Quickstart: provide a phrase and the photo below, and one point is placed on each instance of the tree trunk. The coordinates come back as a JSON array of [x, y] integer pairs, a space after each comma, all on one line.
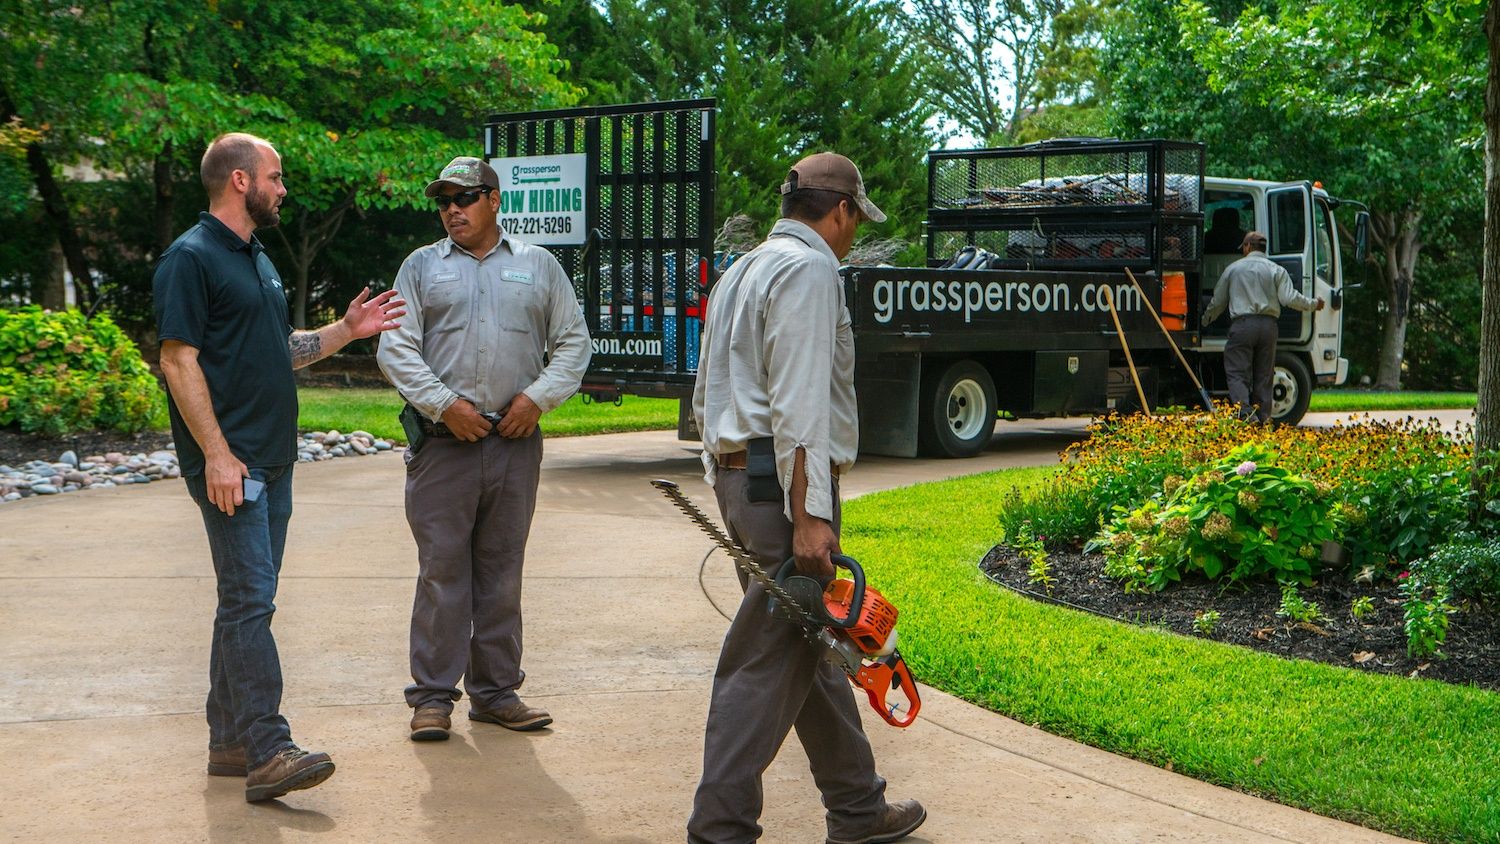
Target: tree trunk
[[166, 197], [56, 207], [1487, 415], [1398, 237]]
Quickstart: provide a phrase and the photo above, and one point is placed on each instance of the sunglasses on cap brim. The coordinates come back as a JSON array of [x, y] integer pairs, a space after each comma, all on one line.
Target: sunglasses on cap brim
[[462, 200]]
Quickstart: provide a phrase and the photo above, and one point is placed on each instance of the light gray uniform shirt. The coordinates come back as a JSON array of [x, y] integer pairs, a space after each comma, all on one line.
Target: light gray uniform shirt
[[778, 361], [1255, 285], [478, 327]]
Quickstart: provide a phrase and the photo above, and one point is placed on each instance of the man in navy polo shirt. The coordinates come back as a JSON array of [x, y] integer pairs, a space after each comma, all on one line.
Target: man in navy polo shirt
[[228, 353]]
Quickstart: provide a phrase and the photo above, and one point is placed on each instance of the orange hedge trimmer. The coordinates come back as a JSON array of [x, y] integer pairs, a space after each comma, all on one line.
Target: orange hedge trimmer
[[852, 622]]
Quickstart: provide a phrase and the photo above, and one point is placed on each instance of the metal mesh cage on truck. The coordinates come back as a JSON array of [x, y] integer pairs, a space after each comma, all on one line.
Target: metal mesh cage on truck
[[1069, 205], [623, 197]]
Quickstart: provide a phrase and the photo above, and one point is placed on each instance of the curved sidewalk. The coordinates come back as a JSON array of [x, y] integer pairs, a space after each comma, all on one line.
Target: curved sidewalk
[[106, 601]]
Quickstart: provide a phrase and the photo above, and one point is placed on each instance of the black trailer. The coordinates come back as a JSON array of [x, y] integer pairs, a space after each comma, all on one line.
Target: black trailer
[[624, 197]]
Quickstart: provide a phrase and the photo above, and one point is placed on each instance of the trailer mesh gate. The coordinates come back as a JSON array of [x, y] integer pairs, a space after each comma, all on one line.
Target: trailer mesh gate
[[644, 261]]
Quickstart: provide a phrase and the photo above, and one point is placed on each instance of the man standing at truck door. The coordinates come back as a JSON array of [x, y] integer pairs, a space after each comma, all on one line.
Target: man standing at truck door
[[1255, 289], [775, 389], [495, 339]]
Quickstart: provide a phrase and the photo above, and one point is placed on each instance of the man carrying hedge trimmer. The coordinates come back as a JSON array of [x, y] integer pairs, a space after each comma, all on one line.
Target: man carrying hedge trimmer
[[775, 403]]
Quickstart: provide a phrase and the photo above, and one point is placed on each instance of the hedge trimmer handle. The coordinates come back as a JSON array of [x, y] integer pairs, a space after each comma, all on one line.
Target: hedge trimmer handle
[[881, 674]]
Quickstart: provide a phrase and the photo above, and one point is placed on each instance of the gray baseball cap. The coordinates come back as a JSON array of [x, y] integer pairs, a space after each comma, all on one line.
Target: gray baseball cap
[[831, 171], [465, 171]]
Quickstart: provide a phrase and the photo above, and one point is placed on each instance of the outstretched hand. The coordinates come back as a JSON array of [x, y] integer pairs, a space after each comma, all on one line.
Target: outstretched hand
[[369, 316]]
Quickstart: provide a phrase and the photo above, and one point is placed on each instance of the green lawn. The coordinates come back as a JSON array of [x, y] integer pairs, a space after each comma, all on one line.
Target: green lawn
[[1413, 757], [375, 410], [1350, 401]]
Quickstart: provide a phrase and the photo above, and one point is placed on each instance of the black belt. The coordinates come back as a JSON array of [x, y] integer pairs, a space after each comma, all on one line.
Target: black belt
[[740, 459], [438, 429]]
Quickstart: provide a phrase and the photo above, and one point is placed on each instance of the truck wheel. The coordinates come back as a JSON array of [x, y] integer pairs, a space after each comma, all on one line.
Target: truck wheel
[[957, 416], [1291, 389]]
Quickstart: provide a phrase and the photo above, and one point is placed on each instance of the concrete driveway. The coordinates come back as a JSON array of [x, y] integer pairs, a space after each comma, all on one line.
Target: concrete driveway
[[107, 603]]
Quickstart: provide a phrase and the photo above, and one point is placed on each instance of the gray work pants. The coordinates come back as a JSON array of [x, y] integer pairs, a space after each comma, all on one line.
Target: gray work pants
[[469, 506], [1250, 362], [770, 680]]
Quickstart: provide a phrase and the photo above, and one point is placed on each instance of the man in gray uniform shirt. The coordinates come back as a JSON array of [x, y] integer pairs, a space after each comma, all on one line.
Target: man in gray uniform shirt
[[1255, 289], [469, 360], [777, 369]]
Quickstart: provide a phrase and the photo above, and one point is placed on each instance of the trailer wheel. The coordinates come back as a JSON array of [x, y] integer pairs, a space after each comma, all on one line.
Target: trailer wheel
[[958, 410], [1291, 389]]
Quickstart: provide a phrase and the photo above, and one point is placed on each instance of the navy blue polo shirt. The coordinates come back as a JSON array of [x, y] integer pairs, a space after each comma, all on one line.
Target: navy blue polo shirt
[[220, 295]]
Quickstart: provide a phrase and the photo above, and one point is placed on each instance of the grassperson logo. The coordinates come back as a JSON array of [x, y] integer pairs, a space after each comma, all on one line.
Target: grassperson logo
[[972, 298]]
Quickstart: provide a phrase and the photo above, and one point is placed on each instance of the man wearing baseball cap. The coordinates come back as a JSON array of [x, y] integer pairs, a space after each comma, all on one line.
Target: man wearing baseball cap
[[494, 339], [774, 401]]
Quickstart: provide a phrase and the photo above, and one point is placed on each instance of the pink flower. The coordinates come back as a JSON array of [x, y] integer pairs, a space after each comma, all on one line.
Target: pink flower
[[1403, 575], [1245, 468]]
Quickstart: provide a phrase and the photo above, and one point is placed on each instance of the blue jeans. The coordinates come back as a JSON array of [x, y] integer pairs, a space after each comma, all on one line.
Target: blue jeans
[[244, 695]]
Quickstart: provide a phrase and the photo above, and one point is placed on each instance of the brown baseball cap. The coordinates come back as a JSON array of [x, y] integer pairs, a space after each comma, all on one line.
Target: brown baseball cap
[[465, 171], [831, 171]]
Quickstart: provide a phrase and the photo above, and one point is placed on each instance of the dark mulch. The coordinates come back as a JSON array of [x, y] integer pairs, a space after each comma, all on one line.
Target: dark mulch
[[17, 449], [1248, 617]]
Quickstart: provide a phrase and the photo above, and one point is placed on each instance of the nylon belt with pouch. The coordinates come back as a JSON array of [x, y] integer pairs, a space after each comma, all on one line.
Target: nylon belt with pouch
[[760, 468], [411, 425]]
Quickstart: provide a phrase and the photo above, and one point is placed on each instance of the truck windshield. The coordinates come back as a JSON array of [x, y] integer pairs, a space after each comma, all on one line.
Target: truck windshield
[[1229, 214]]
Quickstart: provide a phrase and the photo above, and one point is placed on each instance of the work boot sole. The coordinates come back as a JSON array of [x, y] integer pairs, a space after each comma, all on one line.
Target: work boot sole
[[519, 726], [885, 837], [306, 778], [429, 734], [219, 769]]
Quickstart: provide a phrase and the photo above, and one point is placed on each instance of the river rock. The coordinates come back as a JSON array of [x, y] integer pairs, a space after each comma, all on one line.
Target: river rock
[[44, 489], [382, 445], [70, 458], [331, 438], [11, 496], [162, 457], [114, 457], [76, 477], [359, 446]]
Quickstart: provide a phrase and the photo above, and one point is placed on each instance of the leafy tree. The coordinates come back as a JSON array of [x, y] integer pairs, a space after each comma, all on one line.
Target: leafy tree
[[992, 62], [1387, 85], [791, 78], [364, 100]]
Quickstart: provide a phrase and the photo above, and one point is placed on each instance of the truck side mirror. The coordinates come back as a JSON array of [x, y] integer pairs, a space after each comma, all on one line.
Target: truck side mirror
[[1361, 236]]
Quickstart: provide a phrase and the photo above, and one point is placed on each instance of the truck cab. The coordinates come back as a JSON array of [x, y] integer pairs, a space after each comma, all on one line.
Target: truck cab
[[1302, 235]]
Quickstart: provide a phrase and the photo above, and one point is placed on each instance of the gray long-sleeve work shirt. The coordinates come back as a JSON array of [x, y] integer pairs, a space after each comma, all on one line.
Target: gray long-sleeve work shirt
[[478, 327], [1255, 285], [778, 361]]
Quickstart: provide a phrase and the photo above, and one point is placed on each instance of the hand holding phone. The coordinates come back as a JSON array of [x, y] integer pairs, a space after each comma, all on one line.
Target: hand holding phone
[[253, 489]]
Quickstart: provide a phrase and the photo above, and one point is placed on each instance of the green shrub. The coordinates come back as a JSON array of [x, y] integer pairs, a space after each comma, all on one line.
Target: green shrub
[[1469, 565], [1425, 610], [1400, 487], [1244, 517], [60, 373]]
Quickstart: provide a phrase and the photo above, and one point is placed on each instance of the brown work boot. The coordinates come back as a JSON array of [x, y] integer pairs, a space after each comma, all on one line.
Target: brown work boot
[[290, 769], [229, 762], [430, 723], [896, 822], [515, 715]]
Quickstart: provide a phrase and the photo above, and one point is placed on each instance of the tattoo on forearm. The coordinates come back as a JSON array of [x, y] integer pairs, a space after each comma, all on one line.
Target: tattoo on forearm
[[306, 347]]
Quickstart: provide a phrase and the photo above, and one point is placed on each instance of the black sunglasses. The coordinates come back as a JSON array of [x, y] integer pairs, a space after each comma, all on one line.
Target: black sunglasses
[[462, 200]]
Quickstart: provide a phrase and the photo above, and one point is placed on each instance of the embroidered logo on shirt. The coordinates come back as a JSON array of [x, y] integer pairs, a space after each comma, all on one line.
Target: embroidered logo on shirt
[[518, 276], [439, 278]]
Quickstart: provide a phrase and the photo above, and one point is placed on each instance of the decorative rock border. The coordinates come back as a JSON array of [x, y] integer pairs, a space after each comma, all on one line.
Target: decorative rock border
[[70, 473]]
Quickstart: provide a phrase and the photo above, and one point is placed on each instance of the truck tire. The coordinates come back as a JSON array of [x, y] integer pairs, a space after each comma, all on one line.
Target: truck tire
[[1291, 389], [957, 414]]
